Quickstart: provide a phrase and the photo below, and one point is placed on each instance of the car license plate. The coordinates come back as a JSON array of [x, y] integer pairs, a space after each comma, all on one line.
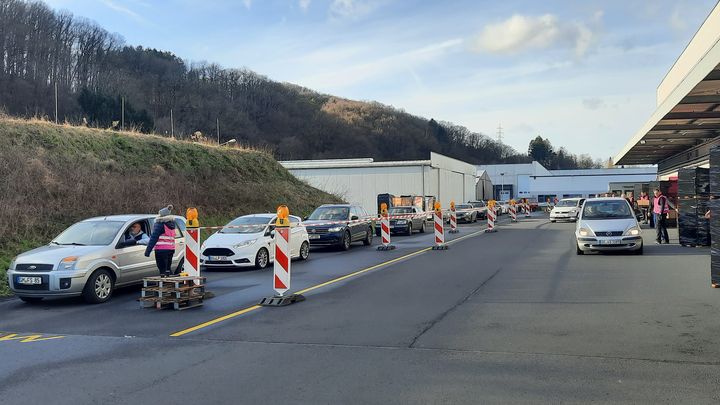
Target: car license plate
[[314, 236], [29, 280], [218, 258], [610, 241]]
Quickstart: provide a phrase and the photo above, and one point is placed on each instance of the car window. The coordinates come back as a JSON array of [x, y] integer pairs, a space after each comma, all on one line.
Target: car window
[[330, 214], [180, 223], [607, 209], [95, 233], [294, 220], [178, 229], [354, 211]]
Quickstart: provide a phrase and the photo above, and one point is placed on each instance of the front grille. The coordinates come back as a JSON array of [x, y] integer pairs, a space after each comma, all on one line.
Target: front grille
[[218, 252], [609, 233], [317, 231], [33, 267]]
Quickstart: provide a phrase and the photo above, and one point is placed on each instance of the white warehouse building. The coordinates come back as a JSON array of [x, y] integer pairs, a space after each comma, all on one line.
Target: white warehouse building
[[533, 181], [359, 181]]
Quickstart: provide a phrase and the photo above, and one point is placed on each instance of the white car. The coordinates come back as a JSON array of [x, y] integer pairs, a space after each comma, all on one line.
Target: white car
[[504, 207], [607, 224], [566, 209], [250, 241]]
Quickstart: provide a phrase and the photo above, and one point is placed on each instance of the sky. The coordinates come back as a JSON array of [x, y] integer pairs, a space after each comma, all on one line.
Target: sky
[[581, 73]]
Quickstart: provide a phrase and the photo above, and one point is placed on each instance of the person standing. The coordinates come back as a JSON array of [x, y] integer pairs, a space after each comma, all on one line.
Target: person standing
[[644, 204], [661, 208], [162, 240]]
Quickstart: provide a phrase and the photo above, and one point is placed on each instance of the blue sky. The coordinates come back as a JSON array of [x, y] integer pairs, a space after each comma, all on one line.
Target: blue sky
[[582, 73]]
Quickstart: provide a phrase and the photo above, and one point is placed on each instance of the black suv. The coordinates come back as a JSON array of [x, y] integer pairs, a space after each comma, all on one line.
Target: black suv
[[339, 225]]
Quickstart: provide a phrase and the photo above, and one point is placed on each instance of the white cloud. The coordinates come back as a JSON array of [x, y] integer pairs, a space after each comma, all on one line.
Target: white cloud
[[247, 3], [520, 33], [304, 4], [351, 9], [593, 103], [122, 9]]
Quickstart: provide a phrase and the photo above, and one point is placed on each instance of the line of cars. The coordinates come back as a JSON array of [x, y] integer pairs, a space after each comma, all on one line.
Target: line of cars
[[602, 224]]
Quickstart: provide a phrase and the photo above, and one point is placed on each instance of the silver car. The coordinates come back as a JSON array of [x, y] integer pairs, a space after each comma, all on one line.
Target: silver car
[[607, 224], [91, 258]]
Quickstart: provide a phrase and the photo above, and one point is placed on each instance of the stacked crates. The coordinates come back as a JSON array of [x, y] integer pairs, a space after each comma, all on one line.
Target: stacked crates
[[693, 195], [714, 204]]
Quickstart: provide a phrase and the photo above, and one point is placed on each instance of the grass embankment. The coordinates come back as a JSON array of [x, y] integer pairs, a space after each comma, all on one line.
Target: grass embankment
[[54, 175]]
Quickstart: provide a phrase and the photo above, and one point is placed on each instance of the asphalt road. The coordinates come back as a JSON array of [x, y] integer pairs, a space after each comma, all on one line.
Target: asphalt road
[[509, 317]]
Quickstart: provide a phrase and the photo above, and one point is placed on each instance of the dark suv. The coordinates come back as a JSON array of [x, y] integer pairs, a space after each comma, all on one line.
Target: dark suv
[[339, 225]]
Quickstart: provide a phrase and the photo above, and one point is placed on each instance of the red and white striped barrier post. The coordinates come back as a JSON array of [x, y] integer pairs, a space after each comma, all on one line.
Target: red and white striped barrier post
[[439, 229], [526, 205], [513, 211], [491, 217], [281, 265], [385, 229], [191, 263], [453, 218]]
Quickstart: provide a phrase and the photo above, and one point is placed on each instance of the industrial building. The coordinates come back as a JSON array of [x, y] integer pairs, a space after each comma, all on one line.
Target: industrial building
[[360, 181], [533, 181]]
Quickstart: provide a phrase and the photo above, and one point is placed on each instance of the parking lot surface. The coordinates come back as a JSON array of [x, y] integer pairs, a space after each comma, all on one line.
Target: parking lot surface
[[513, 316]]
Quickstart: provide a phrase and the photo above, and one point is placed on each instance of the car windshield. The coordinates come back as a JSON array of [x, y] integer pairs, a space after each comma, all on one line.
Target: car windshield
[[246, 225], [463, 207], [91, 233], [330, 214], [401, 210], [606, 209], [567, 203]]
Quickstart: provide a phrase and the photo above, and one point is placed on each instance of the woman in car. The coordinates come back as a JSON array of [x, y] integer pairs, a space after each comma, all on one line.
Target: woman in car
[[162, 240]]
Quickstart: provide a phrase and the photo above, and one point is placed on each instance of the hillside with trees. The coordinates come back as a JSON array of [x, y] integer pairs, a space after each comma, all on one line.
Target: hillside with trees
[[44, 53]]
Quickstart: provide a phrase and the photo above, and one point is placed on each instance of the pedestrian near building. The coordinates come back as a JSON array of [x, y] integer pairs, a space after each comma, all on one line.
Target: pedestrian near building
[[644, 204], [661, 208], [162, 240]]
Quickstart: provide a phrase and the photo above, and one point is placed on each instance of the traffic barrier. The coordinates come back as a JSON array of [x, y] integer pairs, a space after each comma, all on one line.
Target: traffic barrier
[[439, 229], [513, 211], [453, 218], [191, 264], [491, 216], [526, 206], [281, 266], [385, 229]]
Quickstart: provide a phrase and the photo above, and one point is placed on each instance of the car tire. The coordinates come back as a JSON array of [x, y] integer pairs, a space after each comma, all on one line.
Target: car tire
[[304, 251], [99, 287], [409, 231], [578, 251], [262, 259], [369, 237], [31, 300], [422, 227], [346, 241]]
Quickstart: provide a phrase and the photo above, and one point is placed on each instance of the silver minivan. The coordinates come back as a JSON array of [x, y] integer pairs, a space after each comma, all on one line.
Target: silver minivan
[[90, 258], [607, 224]]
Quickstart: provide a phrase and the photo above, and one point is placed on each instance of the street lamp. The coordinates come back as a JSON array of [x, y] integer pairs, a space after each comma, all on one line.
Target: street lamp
[[232, 141], [502, 185]]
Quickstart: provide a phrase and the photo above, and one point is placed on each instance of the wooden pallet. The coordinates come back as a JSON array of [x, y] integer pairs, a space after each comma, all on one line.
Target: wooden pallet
[[178, 293]]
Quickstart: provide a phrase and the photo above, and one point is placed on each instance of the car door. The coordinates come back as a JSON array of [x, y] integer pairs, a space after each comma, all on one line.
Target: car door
[[417, 219], [296, 239], [131, 260], [354, 226]]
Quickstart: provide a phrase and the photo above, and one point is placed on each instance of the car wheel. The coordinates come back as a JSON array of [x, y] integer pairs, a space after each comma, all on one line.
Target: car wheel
[[409, 229], [346, 241], [304, 251], [262, 258], [578, 250], [99, 287], [369, 237], [422, 227], [31, 300]]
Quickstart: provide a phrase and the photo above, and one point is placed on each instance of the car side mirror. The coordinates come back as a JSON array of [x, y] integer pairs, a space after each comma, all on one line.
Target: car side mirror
[[272, 233], [354, 218], [305, 218]]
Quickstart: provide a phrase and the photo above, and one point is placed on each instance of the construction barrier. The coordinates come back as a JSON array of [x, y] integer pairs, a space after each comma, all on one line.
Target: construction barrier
[[385, 228], [439, 229], [453, 218], [526, 206], [491, 216], [281, 267], [191, 265], [513, 211]]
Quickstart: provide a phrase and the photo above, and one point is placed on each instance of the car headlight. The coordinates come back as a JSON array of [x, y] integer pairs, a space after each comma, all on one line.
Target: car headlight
[[402, 221], [634, 231], [68, 263], [12, 263], [245, 243], [335, 229], [586, 232]]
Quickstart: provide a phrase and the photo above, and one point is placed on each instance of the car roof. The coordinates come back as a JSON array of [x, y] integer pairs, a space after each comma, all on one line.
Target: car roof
[[403, 206], [337, 205], [606, 199], [124, 217], [572, 199]]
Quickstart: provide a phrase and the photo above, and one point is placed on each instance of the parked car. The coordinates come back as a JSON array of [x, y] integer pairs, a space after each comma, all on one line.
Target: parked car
[[466, 213], [406, 225], [339, 225], [504, 207], [566, 209], [480, 208], [90, 259], [250, 241], [607, 224]]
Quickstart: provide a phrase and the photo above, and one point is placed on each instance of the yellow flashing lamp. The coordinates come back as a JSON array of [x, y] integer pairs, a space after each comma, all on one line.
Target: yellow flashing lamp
[[191, 214], [452, 205], [383, 209], [491, 203], [512, 202], [437, 206], [282, 216]]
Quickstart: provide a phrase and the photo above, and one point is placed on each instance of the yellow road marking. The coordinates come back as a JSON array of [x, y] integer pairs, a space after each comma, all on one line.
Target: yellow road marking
[[315, 287], [26, 338]]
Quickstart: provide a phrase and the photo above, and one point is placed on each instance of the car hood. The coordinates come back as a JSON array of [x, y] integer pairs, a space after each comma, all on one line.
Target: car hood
[[607, 225], [229, 239], [52, 254]]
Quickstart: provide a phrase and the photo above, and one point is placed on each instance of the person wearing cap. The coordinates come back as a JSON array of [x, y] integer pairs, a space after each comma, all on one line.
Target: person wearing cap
[[162, 240]]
